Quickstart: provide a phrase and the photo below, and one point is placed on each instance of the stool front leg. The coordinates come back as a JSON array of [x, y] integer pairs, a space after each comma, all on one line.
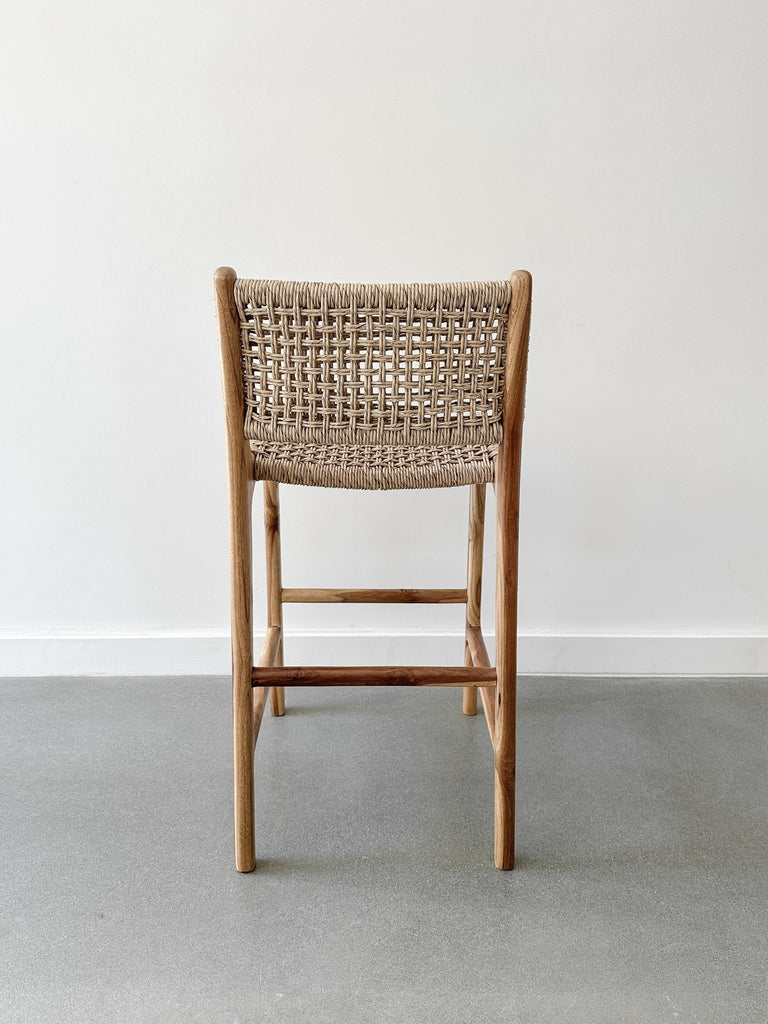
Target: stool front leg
[[506, 667], [242, 666]]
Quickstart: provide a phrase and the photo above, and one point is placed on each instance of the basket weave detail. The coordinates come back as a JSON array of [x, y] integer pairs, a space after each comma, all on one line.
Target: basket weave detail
[[373, 467], [373, 386]]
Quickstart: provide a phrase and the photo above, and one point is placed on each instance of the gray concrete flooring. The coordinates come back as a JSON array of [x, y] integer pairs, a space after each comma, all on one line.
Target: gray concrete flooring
[[640, 895]]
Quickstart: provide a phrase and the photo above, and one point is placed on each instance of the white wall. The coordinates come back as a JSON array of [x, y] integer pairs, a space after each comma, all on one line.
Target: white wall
[[616, 150]]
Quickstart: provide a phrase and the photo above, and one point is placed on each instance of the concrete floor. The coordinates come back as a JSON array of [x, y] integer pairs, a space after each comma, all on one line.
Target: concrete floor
[[640, 895]]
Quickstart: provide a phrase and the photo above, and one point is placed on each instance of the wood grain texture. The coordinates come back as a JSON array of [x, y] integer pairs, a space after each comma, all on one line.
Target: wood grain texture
[[478, 655], [474, 579], [267, 656], [367, 675], [469, 693], [507, 514], [259, 703], [270, 647], [241, 485], [330, 595], [477, 648]]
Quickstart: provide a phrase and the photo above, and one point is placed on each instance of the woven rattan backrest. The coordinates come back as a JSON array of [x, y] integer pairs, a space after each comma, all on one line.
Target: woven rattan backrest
[[373, 364]]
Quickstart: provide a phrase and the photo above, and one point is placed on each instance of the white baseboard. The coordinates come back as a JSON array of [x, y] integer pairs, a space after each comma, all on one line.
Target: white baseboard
[[207, 653]]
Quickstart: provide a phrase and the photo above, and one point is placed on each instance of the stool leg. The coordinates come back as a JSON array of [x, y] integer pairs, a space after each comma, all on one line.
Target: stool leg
[[507, 523], [274, 581], [241, 494], [240, 465], [507, 501], [474, 581]]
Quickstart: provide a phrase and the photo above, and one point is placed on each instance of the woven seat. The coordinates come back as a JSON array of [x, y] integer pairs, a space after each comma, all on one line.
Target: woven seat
[[373, 467], [373, 387]]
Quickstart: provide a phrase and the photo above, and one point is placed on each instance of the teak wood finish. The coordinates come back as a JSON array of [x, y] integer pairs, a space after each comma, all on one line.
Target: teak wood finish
[[252, 683], [367, 675], [321, 595], [474, 581]]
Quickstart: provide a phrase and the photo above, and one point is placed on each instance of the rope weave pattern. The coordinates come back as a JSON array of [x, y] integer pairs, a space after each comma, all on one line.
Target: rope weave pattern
[[374, 375], [373, 467]]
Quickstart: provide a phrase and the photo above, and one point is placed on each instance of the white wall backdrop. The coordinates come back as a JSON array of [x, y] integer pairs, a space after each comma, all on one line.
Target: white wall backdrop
[[618, 151]]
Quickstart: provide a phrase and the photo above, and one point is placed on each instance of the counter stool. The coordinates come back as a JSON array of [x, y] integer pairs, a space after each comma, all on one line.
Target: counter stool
[[375, 387]]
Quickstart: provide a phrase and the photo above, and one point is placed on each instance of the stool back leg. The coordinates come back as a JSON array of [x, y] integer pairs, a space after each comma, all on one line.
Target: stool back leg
[[474, 581], [240, 465], [274, 582], [507, 521]]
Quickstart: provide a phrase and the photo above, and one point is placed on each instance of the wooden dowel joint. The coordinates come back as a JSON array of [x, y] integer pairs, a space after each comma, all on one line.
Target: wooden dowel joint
[[260, 694], [477, 648], [270, 647], [478, 653]]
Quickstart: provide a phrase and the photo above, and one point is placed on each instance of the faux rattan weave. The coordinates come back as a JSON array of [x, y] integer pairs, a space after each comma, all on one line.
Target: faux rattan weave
[[372, 466], [373, 386]]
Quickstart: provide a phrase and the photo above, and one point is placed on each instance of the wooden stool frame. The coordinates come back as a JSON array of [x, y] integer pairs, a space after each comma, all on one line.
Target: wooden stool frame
[[252, 684]]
